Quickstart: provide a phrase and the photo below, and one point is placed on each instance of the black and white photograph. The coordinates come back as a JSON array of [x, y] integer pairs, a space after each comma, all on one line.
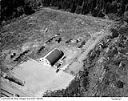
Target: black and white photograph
[[64, 49]]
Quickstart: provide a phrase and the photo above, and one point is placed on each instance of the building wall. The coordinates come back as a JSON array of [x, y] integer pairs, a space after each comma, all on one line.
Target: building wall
[[45, 61]]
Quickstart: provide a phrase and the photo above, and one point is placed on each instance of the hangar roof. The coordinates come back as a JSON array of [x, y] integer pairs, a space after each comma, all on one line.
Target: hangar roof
[[54, 56]]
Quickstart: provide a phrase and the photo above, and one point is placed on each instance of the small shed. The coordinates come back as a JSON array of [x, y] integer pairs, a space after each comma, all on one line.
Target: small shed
[[54, 56]]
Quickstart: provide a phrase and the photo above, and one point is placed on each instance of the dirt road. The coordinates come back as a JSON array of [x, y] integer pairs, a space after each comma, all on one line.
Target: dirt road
[[77, 64], [91, 43]]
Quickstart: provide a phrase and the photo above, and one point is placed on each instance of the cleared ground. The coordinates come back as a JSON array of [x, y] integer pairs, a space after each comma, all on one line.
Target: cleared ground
[[39, 78], [36, 35]]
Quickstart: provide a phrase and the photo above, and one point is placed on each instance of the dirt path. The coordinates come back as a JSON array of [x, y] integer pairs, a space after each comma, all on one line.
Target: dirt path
[[91, 43], [77, 64]]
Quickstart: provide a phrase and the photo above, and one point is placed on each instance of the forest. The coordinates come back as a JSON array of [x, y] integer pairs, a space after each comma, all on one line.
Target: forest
[[113, 9]]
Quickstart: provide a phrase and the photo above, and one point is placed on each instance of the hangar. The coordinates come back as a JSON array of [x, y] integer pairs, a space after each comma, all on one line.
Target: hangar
[[52, 57]]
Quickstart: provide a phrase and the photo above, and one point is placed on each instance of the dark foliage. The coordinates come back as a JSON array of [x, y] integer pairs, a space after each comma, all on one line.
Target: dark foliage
[[119, 84], [97, 8], [14, 8], [72, 90]]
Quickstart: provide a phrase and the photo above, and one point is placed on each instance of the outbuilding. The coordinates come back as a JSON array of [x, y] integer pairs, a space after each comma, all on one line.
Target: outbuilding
[[52, 57]]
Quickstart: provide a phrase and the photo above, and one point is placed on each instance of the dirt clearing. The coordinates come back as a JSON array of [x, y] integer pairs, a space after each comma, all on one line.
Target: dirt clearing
[[39, 78]]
